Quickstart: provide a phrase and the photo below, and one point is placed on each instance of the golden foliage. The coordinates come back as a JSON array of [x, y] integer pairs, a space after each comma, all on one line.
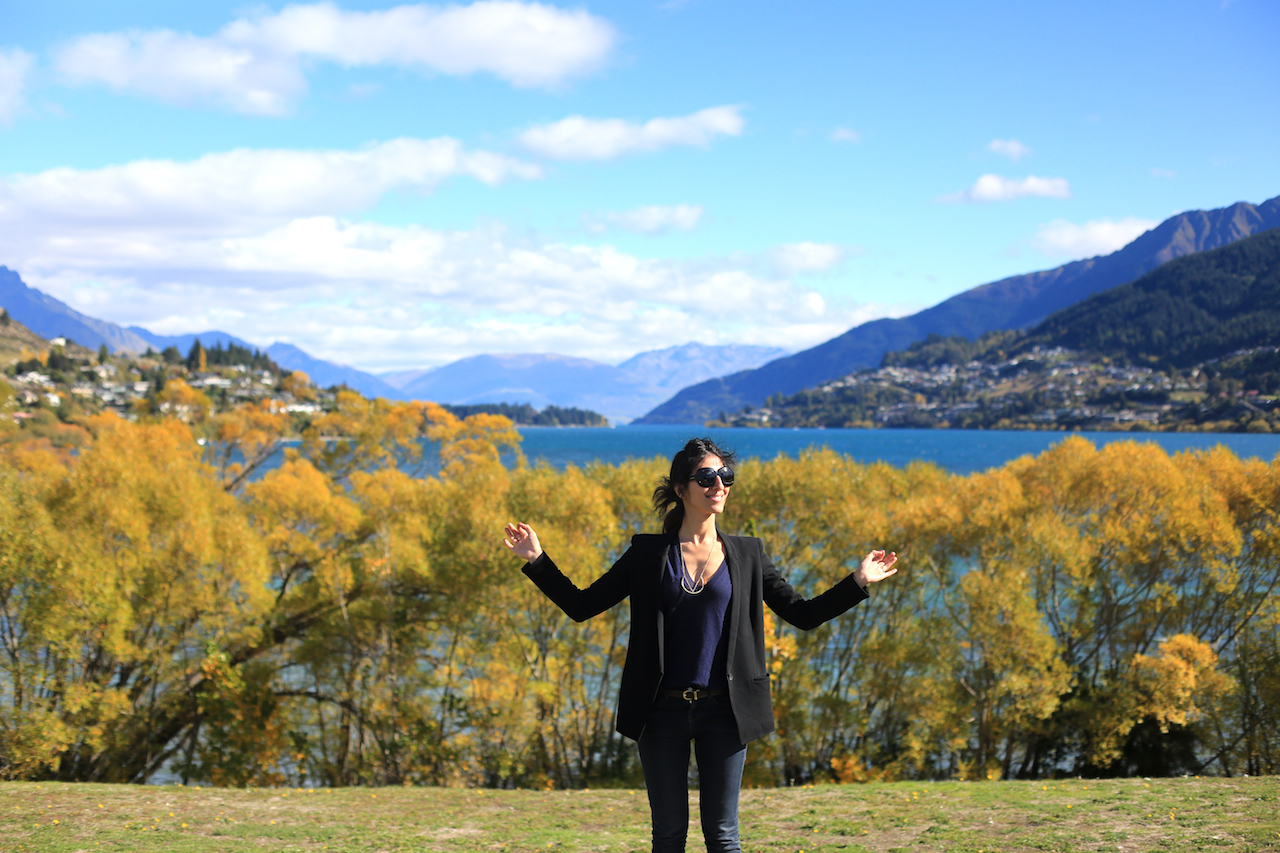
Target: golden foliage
[[299, 385], [180, 400], [243, 439], [259, 611], [1171, 682]]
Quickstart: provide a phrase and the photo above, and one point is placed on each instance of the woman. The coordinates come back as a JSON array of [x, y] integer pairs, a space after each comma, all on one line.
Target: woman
[[696, 668]]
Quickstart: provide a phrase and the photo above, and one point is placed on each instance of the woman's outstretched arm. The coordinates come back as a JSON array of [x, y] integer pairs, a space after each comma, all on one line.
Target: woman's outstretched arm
[[578, 604], [808, 613]]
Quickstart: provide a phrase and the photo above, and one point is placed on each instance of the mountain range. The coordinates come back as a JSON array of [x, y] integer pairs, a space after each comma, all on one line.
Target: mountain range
[[620, 392], [288, 356], [50, 318], [697, 381], [1017, 302], [1194, 310], [1193, 344]]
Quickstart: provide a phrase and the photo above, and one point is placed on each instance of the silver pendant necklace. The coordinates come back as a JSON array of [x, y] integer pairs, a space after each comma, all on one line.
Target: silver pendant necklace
[[697, 584]]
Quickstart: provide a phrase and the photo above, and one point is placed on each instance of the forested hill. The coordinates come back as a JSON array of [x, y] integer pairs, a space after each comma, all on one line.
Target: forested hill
[[1188, 311], [1017, 302], [1191, 310], [1194, 344]]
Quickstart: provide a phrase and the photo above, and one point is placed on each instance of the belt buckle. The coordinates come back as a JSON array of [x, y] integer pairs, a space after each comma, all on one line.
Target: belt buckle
[[690, 694]]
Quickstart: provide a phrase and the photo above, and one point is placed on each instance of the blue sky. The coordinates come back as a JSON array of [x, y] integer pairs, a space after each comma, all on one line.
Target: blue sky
[[401, 186]]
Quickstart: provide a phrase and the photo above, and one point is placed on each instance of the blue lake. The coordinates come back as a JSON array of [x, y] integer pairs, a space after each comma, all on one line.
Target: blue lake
[[959, 451]]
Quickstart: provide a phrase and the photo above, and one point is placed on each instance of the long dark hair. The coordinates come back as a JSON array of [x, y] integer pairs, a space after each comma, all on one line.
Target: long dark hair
[[666, 501]]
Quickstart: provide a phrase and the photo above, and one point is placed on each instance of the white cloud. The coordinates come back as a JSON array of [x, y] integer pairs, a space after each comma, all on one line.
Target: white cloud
[[997, 188], [652, 219], [527, 44], [1163, 173], [1011, 148], [262, 244], [388, 297], [14, 66], [793, 258], [247, 187], [256, 64], [185, 69], [579, 138], [1063, 239], [844, 134]]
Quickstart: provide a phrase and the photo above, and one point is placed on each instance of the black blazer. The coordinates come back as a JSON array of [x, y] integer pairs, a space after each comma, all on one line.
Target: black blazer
[[638, 574]]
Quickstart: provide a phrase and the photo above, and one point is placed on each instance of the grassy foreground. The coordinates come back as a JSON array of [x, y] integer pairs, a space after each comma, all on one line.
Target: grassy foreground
[[956, 817]]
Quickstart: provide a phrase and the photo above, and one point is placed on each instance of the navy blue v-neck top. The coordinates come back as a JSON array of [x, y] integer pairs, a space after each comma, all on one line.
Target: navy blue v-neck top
[[695, 642]]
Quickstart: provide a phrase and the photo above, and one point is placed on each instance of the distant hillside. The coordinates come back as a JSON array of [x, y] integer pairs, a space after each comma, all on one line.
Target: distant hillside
[[1194, 344], [50, 318], [1192, 310], [399, 378], [14, 338], [545, 379], [53, 318], [540, 379], [326, 373], [1188, 311], [185, 342], [1012, 303], [676, 367]]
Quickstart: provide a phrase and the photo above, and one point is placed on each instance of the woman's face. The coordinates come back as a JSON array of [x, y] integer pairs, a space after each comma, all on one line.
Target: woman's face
[[699, 500]]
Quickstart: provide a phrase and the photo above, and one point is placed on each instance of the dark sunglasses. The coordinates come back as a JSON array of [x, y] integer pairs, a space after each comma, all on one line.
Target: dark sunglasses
[[706, 477]]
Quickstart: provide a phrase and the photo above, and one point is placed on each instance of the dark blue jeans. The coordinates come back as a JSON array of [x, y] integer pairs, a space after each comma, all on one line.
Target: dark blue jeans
[[664, 755]]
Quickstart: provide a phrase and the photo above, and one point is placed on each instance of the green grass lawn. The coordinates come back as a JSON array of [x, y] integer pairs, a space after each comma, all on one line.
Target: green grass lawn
[[957, 817]]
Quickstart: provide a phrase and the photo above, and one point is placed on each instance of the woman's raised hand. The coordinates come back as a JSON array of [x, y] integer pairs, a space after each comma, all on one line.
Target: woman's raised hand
[[875, 567], [523, 542]]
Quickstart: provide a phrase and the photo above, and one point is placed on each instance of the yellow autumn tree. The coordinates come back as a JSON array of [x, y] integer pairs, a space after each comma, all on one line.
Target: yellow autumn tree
[[384, 568], [1122, 545], [542, 684], [151, 564], [299, 385], [244, 438], [179, 400], [32, 736], [838, 690], [340, 609]]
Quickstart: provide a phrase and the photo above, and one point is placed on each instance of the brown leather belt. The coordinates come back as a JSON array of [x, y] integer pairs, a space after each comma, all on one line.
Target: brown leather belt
[[693, 694]]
